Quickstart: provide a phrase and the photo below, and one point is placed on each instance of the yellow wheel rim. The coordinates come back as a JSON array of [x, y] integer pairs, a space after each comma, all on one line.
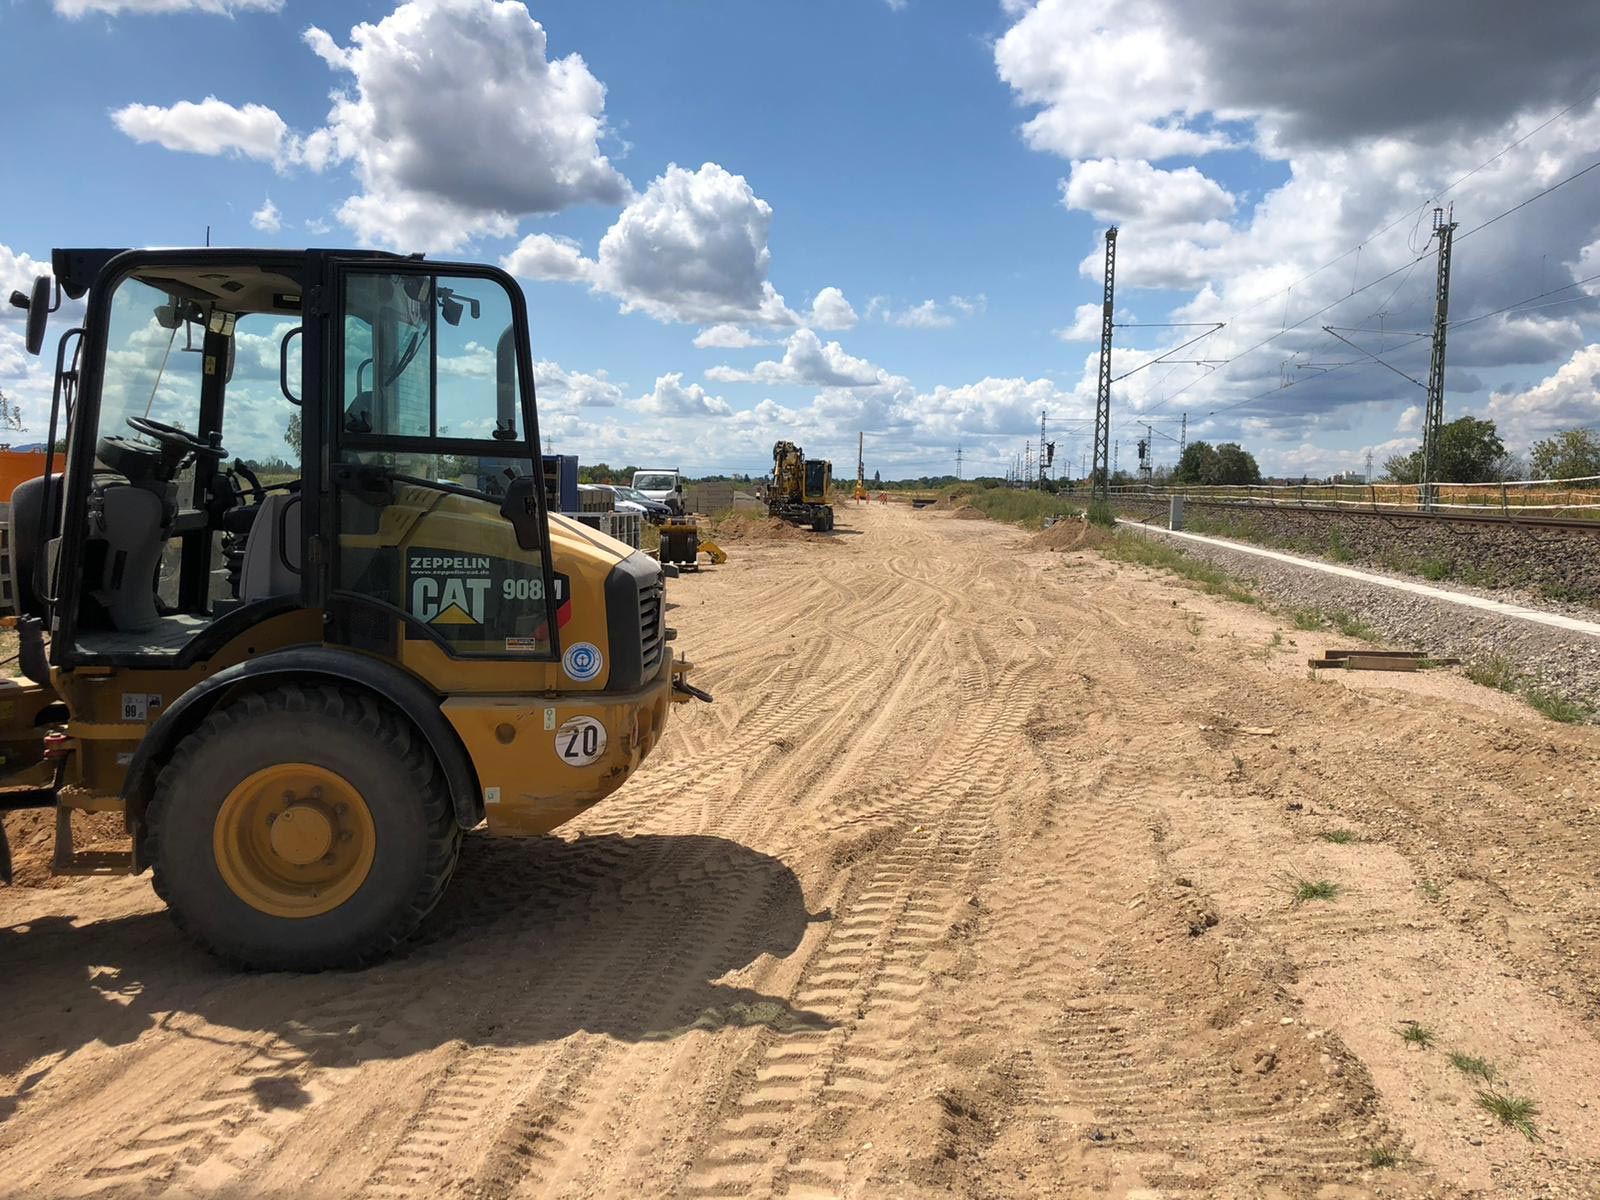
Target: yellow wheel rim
[[294, 840]]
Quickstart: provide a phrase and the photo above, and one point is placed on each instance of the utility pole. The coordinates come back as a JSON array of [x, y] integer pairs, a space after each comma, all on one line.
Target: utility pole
[[1433, 420], [1183, 435], [861, 466], [1369, 466], [1026, 478], [958, 460], [1042, 450], [1102, 406], [1115, 447]]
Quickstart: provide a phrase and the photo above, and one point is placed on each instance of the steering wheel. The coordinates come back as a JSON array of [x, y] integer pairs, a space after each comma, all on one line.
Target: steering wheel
[[172, 438]]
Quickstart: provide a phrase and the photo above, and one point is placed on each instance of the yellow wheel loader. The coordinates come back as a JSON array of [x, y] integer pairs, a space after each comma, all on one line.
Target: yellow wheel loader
[[300, 681]]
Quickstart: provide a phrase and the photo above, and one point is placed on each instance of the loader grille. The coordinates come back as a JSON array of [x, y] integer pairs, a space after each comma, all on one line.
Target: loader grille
[[651, 633]]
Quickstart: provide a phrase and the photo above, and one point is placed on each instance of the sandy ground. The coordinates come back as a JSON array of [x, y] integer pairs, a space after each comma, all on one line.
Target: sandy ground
[[975, 881]]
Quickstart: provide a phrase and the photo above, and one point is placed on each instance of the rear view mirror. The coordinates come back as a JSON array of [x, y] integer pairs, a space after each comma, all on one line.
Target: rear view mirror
[[37, 304]]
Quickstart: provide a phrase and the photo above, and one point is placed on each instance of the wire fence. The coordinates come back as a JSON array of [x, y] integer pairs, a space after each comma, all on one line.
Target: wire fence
[[1544, 497]]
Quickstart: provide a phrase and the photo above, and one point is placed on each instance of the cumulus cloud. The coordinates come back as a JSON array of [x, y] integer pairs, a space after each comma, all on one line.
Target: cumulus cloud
[[1116, 189], [1568, 397], [670, 398], [1353, 134], [930, 314], [830, 310], [454, 120], [808, 361], [212, 127], [692, 248], [566, 390], [727, 337], [267, 218], [457, 122], [1085, 327], [74, 9], [541, 256]]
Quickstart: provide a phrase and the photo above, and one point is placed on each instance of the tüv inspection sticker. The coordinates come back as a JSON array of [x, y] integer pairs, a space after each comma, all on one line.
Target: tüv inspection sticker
[[582, 661]]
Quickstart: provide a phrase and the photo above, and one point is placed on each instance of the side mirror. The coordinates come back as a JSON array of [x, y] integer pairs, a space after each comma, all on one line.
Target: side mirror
[[521, 508], [38, 313]]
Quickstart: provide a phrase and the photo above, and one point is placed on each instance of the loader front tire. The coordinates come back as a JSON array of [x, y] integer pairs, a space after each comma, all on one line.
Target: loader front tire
[[301, 828]]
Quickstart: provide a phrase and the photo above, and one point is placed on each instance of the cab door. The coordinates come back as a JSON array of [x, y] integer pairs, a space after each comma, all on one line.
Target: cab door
[[433, 520]]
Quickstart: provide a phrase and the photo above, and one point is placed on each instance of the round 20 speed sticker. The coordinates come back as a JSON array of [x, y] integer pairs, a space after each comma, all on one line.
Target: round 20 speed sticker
[[580, 741]]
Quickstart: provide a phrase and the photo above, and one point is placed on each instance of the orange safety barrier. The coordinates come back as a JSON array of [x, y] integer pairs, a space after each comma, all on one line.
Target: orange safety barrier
[[18, 466]]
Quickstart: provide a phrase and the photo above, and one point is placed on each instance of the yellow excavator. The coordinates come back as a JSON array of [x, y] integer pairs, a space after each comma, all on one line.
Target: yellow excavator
[[800, 488], [300, 681]]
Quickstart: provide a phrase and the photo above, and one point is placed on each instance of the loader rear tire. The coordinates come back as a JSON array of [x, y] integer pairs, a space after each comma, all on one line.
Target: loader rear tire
[[301, 828]]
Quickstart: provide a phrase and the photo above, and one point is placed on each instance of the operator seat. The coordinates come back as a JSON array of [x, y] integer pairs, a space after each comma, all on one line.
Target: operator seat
[[272, 554], [29, 501]]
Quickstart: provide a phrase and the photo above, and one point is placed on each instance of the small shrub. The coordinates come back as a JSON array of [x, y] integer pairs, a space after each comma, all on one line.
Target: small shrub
[[1340, 837], [1303, 890]]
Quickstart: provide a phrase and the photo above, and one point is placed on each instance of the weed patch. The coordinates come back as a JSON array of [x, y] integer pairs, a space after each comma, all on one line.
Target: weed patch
[[1414, 1033], [1514, 1112]]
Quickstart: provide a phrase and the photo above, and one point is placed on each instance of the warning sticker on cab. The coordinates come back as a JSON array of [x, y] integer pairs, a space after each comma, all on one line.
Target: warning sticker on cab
[[482, 598]]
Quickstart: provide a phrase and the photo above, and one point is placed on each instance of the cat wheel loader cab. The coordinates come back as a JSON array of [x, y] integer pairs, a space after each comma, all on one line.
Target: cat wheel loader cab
[[307, 615]]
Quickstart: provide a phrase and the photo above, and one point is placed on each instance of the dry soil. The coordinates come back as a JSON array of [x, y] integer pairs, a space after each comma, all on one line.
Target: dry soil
[[977, 880]]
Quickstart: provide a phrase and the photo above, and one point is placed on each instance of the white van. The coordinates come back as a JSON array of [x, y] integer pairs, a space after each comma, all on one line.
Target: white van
[[661, 485]]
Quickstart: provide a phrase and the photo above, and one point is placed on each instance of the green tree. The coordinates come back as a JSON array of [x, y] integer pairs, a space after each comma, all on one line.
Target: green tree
[[1197, 464], [291, 435], [1571, 454], [1470, 451], [1236, 465], [1229, 463]]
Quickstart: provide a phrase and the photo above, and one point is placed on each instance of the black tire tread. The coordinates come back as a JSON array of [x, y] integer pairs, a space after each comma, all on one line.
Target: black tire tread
[[348, 707]]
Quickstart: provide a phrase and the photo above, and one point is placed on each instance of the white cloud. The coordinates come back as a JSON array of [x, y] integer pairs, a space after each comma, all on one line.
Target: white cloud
[[726, 337], [1410, 419], [691, 248], [267, 218], [930, 314], [1121, 190], [74, 9], [1085, 327], [569, 390], [670, 398], [211, 127], [1118, 88], [830, 310], [458, 123], [541, 256], [808, 361], [1567, 398]]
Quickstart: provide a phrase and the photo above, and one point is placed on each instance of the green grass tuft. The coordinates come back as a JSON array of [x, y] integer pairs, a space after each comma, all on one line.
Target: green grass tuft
[[1493, 671], [1514, 1112], [1319, 619], [1467, 1064], [1303, 890], [1568, 712], [1381, 1156], [1101, 513], [1340, 837], [1146, 551], [1414, 1033]]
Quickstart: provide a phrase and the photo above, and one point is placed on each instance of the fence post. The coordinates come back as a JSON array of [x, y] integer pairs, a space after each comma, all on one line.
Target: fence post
[[1505, 507]]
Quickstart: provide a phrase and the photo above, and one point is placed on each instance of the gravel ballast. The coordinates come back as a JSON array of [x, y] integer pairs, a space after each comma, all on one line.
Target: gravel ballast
[[1553, 661]]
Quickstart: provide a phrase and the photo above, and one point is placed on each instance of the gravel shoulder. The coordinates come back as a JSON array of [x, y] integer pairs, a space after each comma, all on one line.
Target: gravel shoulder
[[1553, 661]]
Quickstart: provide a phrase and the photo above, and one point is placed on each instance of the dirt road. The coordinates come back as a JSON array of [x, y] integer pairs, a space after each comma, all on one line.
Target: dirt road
[[977, 880]]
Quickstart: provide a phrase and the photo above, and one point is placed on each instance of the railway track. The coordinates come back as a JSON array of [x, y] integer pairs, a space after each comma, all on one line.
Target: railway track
[[1584, 525]]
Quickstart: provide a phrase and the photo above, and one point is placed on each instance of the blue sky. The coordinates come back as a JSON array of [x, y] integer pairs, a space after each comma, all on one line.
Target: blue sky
[[943, 170]]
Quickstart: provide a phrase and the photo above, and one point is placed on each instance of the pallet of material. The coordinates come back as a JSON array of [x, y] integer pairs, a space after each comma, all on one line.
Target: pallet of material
[[1378, 660]]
